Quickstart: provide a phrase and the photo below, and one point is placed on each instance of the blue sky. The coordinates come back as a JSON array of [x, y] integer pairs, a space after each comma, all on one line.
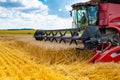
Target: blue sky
[[36, 14], [57, 7]]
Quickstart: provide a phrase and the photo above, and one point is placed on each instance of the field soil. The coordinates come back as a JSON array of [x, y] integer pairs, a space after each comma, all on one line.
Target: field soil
[[24, 58]]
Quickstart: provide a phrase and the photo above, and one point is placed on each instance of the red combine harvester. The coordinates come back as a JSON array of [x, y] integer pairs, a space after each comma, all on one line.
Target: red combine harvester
[[96, 24]]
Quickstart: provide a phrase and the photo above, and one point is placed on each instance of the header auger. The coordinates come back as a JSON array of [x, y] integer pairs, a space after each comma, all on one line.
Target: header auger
[[97, 24]]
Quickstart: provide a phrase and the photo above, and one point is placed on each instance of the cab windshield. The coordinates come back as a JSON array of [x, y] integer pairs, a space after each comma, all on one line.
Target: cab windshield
[[84, 16]]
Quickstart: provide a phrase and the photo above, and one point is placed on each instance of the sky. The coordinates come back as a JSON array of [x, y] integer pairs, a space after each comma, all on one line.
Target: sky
[[36, 14]]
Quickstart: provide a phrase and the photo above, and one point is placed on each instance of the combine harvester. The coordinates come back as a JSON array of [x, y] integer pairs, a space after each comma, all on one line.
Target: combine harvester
[[96, 24]]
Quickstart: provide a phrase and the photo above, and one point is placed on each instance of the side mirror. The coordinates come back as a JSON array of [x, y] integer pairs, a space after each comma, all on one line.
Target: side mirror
[[70, 13]]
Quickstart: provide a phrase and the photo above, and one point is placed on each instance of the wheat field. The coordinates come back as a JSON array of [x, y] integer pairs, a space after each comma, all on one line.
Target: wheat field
[[24, 58], [17, 31]]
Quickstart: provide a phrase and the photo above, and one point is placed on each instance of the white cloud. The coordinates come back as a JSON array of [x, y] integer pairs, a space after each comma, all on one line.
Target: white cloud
[[25, 5], [37, 22], [2, 0], [33, 4], [29, 14], [68, 7], [59, 9], [13, 0]]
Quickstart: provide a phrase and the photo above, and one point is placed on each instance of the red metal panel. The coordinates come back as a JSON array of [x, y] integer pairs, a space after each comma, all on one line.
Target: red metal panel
[[109, 15], [113, 11], [114, 16], [112, 54], [103, 14]]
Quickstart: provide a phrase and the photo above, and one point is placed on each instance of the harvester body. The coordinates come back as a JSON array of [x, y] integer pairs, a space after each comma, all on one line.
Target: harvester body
[[101, 15], [100, 26]]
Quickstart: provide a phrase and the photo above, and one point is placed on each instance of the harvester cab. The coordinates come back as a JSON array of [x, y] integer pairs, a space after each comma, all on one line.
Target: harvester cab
[[99, 21], [84, 14]]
